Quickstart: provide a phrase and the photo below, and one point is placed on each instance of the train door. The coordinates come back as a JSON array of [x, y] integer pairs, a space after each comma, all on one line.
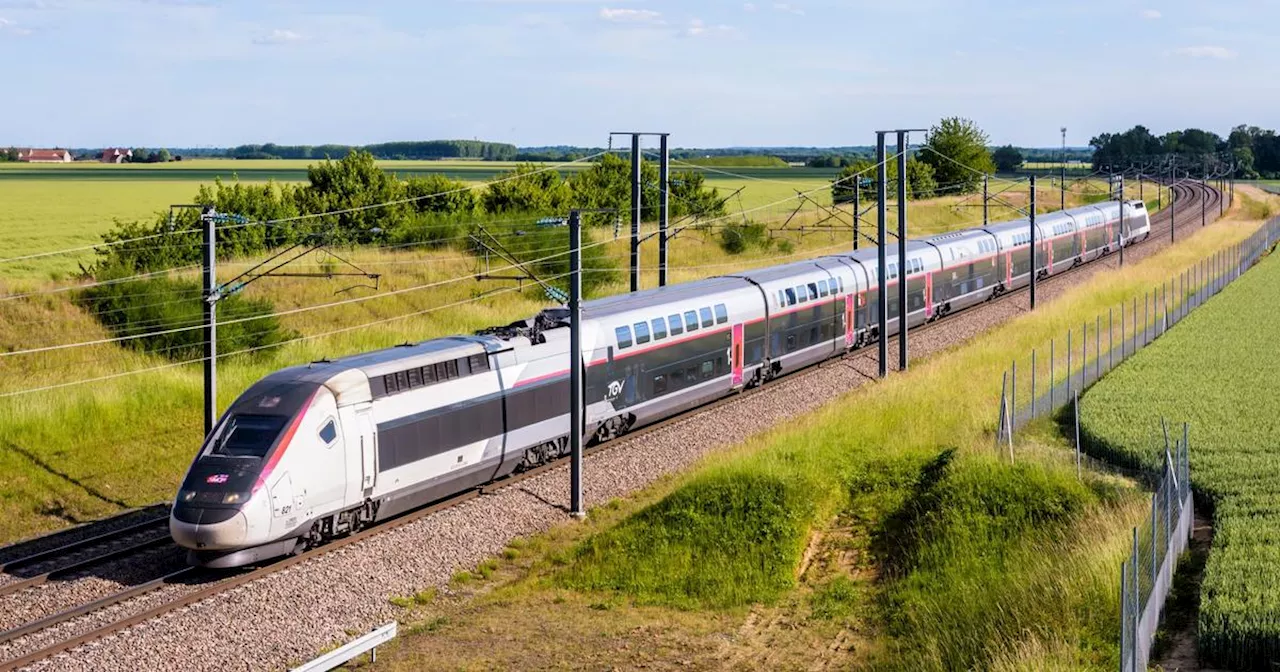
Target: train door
[[928, 295], [1008, 269], [849, 301], [368, 446], [736, 355]]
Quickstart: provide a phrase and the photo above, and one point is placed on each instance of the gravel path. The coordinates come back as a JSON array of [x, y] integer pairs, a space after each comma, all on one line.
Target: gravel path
[[287, 617]]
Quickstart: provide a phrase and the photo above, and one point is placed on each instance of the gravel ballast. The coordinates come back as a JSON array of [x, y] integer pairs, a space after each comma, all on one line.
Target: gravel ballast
[[289, 616]]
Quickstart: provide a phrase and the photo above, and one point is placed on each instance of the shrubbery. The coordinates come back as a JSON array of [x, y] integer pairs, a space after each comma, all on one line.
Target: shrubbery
[[159, 305], [738, 238]]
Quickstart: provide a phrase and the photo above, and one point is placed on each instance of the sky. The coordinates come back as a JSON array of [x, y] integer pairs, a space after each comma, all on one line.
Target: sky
[[189, 73]]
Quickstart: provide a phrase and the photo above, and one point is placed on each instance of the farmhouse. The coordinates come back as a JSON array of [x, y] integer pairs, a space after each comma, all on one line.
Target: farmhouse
[[44, 155], [115, 155]]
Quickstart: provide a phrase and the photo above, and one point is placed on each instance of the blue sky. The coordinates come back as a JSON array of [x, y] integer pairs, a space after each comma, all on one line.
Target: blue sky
[[712, 73]]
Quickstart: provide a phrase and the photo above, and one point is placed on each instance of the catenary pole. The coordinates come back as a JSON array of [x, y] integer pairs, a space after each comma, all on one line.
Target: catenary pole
[[903, 274], [208, 217], [1034, 249], [664, 179], [857, 208], [882, 301], [576, 507], [635, 212]]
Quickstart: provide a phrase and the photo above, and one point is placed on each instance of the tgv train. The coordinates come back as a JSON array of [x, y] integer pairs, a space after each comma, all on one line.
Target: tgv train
[[317, 451]]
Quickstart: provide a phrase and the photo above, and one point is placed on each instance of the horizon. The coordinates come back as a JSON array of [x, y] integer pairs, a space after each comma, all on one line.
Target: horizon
[[534, 73]]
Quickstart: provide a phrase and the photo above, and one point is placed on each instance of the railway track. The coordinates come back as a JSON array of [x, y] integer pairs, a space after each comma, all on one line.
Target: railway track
[[187, 586]]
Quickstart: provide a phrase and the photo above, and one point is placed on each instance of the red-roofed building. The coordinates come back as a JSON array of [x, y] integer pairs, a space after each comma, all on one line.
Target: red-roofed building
[[116, 155], [44, 155]]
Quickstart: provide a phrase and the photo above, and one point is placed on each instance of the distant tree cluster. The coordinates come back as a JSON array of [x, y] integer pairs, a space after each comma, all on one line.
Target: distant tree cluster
[[8, 155], [1255, 152], [418, 150], [1007, 158], [142, 155]]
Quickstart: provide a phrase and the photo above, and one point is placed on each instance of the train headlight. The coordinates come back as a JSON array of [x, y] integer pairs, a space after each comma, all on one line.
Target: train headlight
[[234, 498], [187, 495]]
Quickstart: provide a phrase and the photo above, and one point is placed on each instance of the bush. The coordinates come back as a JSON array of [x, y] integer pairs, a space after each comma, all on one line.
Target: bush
[[737, 238], [161, 304], [545, 250]]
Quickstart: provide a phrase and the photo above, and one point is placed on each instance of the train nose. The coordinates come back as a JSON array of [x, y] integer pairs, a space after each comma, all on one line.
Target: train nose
[[201, 528]]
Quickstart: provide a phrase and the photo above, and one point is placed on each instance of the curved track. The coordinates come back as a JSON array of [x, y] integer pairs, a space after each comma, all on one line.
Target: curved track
[[185, 586]]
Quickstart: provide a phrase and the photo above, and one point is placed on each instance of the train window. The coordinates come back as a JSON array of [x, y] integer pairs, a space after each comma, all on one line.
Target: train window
[[659, 384], [840, 281], [415, 378], [389, 382], [623, 334], [802, 294], [676, 327], [782, 298], [479, 363], [690, 321], [791, 297], [813, 291], [705, 314], [722, 314], [402, 380], [248, 435], [452, 367], [659, 328], [329, 432], [708, 369], [428, 374]]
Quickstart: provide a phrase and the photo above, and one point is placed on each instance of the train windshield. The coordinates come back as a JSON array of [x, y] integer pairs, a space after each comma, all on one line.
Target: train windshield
[[248, 435]]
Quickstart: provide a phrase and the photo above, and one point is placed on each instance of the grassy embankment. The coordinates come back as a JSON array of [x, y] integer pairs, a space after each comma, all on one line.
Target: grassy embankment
[[880, 531], [84, 451], [1217, 372]]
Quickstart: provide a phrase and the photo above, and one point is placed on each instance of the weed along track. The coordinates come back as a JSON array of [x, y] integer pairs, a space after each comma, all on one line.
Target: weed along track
[[427, 546]]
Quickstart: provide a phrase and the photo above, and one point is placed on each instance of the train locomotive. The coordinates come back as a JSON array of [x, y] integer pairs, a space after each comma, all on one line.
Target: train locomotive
[[317, 451]]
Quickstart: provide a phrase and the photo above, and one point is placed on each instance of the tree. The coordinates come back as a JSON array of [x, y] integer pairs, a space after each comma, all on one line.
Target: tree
[[921, 182], [529, 189], [163, 156], [439, 194], [1007, 158], [957, 151], [350, 186]]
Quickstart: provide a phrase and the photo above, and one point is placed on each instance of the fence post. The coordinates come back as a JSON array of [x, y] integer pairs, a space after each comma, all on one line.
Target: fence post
[[1135, 324], [1111, 337], [1052, 379], [1084, 353], [1123, 340], [1076, 407]]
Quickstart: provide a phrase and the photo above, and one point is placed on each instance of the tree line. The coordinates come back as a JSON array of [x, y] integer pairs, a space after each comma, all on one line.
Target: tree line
[[431, 209], [426, 149], [1254, 152]]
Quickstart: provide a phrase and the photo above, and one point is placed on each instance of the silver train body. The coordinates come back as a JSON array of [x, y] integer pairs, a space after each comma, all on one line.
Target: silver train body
[[317, 451]]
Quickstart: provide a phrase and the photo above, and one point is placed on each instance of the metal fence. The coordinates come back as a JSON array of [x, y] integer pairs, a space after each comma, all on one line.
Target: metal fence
[[1090, 353], [1048, 378], [1147, 576]]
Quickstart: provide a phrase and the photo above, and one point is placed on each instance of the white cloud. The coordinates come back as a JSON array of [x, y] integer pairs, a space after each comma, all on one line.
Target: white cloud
[[278, 36], [1151, 14], [785, 7], [622, 15], [8, 27], [749, 7], [1206, 51], [699, 28]]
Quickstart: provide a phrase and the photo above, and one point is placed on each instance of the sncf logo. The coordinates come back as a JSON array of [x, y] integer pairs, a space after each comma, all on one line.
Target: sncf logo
[[217, 478]]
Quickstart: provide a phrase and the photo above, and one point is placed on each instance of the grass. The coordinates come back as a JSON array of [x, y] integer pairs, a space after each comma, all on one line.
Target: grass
[[1230, 397]]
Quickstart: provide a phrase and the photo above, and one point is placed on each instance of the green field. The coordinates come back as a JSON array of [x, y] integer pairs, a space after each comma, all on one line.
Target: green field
[[1217, 371]]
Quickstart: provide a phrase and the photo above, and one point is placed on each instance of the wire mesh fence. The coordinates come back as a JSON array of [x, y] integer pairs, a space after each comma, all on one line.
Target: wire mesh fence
[[1084, 356]]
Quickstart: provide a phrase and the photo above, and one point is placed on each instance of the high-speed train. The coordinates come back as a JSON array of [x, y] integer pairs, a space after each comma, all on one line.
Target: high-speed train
[[317, 451]]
